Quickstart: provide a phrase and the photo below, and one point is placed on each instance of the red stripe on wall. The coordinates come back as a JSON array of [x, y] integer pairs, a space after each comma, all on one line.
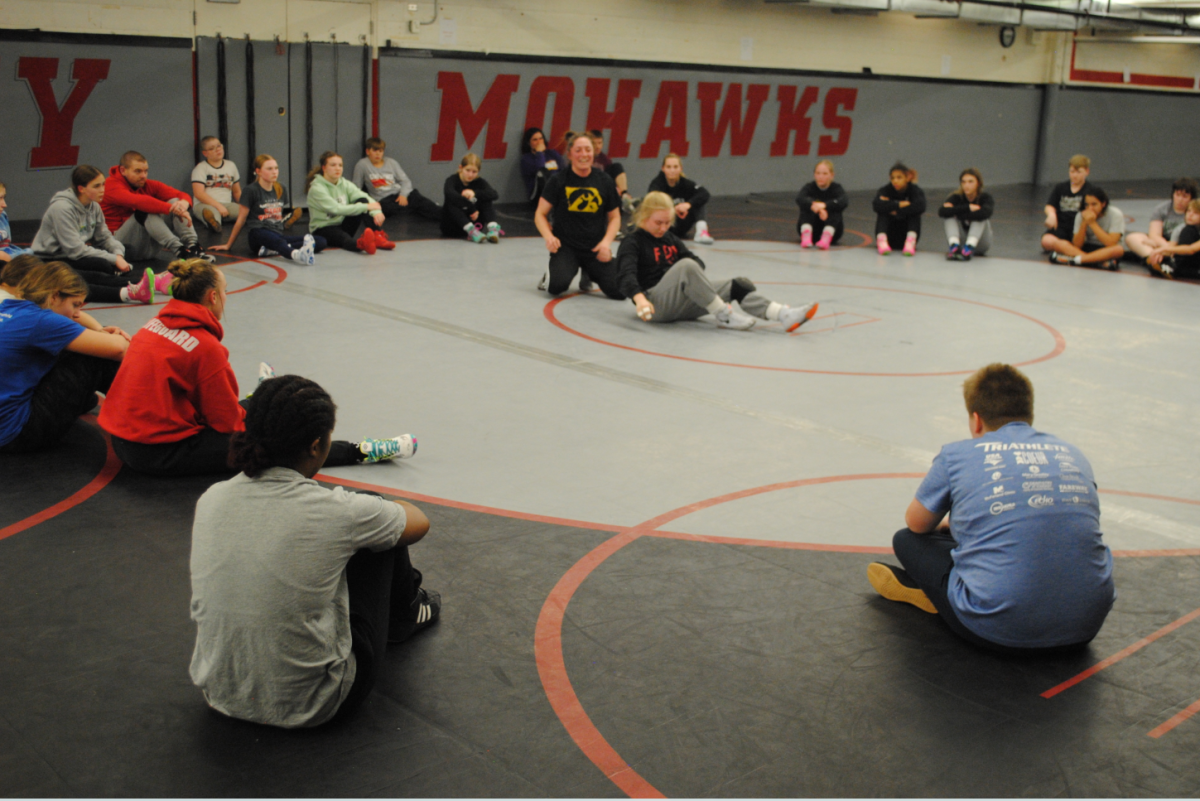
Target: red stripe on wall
[[1135, 78]]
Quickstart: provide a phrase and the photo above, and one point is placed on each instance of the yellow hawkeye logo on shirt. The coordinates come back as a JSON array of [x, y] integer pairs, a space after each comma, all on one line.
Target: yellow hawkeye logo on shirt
[[583, 199]]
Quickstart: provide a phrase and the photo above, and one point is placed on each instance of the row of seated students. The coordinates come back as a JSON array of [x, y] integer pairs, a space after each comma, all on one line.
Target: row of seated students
[[296, 589]]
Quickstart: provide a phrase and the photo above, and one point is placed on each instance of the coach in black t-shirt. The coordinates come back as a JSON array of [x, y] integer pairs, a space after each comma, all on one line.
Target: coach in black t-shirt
[[587, 215]]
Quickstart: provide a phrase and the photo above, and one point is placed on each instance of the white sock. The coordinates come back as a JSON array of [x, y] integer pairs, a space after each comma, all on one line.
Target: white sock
[[828, 230], [954, 241], [912, 237], [972, 241], [469, 227], [1077, 260], [806, 229], [773, 310], [715, 305], [125, 295], [701, 226], [880, 238]]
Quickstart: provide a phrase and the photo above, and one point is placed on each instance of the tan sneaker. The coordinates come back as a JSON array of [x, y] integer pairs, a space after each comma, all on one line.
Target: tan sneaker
[[895, 584], [211, 220]]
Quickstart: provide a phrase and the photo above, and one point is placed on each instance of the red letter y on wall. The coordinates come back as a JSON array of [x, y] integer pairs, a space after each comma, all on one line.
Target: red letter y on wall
[[54, 148]]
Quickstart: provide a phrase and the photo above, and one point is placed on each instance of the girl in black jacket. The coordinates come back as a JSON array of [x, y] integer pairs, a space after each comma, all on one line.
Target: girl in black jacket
[[966, 214], [821, 203], [467, 209], [899, 206], [690, 199]]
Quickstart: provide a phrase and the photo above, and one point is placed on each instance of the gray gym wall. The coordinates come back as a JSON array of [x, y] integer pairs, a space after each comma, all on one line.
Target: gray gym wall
[[144, 104]]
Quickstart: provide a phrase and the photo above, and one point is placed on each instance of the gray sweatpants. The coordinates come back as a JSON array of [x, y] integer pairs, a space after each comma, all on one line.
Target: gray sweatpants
[[198, 211], [144, 238], [956, 229], [685, 292]]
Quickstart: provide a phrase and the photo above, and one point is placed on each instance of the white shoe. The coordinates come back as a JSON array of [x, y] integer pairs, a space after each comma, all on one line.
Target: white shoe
[[299, 256], [703, 237], [792, 318], [265, 371], [264, 251], [729, 317]]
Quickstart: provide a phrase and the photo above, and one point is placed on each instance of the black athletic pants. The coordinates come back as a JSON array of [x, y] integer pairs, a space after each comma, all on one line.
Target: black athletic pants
[[382, 587], [417, 204], [455, 219], [568, 261], [808, 217], [204, 453], [104, 283], [926, 558], [687, 222], [345, 236], [897, 228], [64, 393]]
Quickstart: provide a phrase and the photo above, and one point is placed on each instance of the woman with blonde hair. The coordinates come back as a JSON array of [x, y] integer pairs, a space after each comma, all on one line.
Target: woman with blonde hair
[[667, 282], [821, 202], [467, 205], [51, 366], [173, 406], [689, 198]]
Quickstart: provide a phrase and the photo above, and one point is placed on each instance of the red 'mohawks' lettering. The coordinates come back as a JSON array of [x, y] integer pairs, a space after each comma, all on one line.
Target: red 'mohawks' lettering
[[793, 116], [600, 118], [54, 148], [712, 135], [827, 145], [543, 86], [457, 112], [671, 102]]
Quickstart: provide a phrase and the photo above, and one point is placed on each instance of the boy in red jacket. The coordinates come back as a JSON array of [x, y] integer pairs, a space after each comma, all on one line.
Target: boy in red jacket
[[148, 216]]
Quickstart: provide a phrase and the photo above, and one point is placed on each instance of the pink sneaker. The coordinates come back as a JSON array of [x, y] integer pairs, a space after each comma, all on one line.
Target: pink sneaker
[[162, 284], [825, 241], [806, 239], [910, 247], [143, 291], [882, 246]]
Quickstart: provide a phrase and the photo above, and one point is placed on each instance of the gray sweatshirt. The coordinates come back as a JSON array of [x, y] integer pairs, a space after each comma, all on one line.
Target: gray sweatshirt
[[71, 230]]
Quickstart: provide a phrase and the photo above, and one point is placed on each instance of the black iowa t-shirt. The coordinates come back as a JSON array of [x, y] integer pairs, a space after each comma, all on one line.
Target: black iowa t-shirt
[[581, 206]]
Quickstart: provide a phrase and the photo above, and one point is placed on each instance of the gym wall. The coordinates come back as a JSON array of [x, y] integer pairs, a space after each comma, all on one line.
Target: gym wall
[[72, 100]]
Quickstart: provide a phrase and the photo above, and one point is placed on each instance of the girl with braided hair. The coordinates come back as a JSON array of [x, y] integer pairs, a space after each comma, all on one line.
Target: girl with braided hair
[[174, 404], [297, 589]]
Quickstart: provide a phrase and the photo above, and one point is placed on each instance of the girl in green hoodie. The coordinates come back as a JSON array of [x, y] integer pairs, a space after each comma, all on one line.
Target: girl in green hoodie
[[336, 206]]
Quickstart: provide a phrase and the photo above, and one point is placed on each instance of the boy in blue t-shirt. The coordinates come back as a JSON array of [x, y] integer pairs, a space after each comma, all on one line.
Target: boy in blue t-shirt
[[1020, 565]]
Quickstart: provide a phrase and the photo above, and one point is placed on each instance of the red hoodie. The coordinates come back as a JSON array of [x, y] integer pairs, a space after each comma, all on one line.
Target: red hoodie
[[121, 200], [174, 381]]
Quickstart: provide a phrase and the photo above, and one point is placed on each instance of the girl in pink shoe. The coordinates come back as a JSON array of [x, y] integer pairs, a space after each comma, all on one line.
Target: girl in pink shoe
[[899, 206], [821, 203]]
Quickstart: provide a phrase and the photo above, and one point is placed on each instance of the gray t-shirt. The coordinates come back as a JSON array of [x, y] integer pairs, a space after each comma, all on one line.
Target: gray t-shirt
[[386, 180], [266, 207], [269, 593], [1111, 221], [1171, 220]]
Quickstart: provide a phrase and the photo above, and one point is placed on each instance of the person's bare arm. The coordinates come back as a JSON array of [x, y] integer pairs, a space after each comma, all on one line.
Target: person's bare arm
[[541, 219], [604, 249], [1051, 217], [416, 524], [201, 194], [920, 520], [100, 344], [243, 213]]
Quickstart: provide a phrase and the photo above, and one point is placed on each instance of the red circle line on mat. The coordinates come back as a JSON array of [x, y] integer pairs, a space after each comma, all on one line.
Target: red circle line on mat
[[548, 634], [112, 466], [1060, 343]]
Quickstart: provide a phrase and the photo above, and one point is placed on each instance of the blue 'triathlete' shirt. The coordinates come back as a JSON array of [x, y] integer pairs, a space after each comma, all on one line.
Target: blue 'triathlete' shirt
[[1030, 567], [30, 340]]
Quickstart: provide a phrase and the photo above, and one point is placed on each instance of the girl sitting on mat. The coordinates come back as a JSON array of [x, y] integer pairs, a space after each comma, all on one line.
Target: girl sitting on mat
[[821, 203], [298, 589], [898, 207], [538, 162], [1098, 237], [173, 406], [51, 364], [666, 281], [263, 208], [336, 209], [467, 207], [690, 199], [967, 215]]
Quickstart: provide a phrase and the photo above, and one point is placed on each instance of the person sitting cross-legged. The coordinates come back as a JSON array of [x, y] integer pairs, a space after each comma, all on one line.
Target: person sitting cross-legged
[[1019, 565]]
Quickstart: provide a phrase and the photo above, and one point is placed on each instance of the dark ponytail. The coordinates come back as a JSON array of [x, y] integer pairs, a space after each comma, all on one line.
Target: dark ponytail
[[287, 415]]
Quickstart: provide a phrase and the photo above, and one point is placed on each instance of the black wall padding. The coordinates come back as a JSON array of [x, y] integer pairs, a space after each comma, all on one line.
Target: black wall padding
[[222, 106], [308, 103], [251, 132], [366, 91]]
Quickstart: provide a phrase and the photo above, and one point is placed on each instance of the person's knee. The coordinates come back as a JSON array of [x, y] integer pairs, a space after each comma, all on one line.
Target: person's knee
[[690, 268], [741, 288]]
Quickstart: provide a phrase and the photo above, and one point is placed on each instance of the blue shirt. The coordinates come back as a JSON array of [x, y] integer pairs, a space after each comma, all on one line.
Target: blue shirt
[[30, 340], [6, 237], [1030, 567]]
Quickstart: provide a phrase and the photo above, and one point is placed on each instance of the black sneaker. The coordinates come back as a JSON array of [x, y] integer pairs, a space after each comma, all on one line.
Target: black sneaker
[[424, 613], [196, 252], [585, 282]]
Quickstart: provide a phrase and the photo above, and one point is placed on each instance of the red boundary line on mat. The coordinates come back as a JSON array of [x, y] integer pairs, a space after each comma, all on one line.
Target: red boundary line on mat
[[280, 276], [1175, 720], [1060, 343], [112, 466], [1119, 655]]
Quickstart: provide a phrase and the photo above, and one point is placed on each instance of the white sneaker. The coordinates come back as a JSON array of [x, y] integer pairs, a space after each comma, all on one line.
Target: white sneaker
[[792, 318], [264, 251], [703, 237], [729, 317], [265, 371], [308, 249], [299, 256]]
